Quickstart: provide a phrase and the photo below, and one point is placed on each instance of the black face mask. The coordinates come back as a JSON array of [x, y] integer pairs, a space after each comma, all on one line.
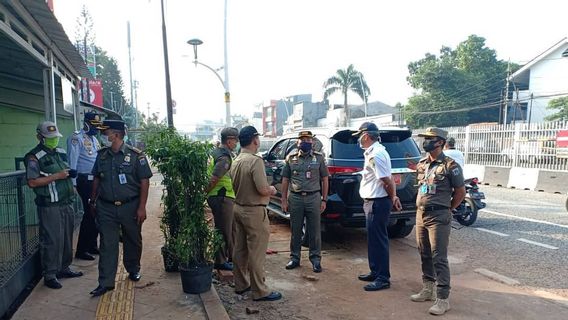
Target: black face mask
[[429, 145]]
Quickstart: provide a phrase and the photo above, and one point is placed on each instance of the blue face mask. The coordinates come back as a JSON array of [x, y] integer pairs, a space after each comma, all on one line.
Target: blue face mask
[[90, 130], [305, 146]]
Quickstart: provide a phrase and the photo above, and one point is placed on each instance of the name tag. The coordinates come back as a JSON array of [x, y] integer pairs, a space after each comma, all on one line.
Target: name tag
[[122, 178]]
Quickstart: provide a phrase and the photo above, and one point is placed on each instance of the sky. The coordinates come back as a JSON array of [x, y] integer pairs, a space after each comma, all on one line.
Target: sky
[[282, 48]]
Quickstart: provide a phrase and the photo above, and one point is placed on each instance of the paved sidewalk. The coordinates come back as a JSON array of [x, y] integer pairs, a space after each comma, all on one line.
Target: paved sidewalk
[[157, 296]]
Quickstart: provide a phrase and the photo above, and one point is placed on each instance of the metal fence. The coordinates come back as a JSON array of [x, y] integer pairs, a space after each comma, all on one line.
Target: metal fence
[[19, 231], [513, 145]]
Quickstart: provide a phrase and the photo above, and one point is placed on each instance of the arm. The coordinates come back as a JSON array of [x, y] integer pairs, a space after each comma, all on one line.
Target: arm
[[222, 166], [457, 182], [383, 172], [285, 183], [35, 178], [93, 197], [73, 150], [390, 187], [324, 192], [459, 195], [141, 212], [259, 179]]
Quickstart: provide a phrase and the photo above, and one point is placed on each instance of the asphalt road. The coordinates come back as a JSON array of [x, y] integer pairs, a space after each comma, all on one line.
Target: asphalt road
[[522, 235]]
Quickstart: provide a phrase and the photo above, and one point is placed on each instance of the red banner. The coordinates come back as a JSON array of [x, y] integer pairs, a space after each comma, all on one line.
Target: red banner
[[96, 92]]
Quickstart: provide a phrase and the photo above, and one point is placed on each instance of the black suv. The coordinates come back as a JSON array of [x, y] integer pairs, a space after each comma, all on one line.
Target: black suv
[[345, 161]]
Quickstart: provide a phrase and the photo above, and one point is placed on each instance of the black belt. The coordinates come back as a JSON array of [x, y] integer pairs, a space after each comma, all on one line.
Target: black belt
[[119, 203], [251, 205], [373, 199], [305, 193], [433, 208]]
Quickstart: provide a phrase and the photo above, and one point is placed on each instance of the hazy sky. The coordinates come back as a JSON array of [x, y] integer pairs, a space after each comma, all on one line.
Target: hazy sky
[[282, 48]]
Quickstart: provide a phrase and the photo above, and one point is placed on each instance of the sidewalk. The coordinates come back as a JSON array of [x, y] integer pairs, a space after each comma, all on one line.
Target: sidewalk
[[158, 295]]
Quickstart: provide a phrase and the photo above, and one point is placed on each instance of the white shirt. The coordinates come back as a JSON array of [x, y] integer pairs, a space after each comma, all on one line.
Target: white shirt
[[377, 165], [456, 155]]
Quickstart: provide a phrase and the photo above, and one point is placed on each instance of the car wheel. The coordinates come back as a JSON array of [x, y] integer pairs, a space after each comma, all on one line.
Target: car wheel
[[400, 229]]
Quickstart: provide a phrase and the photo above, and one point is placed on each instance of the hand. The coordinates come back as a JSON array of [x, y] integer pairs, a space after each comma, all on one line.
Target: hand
[[63, 174], [284, 205], [273, 190], [323, 206], [396, 203], [141, 215]]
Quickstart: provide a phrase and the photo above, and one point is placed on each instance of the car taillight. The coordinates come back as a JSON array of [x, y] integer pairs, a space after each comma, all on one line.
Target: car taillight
[[332, 215], [338, 169]]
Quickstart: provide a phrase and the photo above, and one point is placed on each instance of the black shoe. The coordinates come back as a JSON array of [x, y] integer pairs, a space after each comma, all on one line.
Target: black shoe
[[84, 256], [316, 267], [273, 296], [367, 277], [245, 290], [94, 251], [53, 284], [292, 265], [134, 276], [100, 290], [69, 274], [377, 285], [224, 266]]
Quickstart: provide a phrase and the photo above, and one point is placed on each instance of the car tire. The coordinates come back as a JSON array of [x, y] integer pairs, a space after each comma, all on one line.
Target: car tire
[[400, 230]]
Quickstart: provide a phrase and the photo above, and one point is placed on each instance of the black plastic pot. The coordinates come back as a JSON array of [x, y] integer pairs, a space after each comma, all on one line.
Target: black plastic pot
[[196, 279], [170, 262]]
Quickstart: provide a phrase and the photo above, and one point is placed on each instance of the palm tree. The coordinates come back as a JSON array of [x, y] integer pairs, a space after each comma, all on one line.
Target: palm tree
[[345, 81]]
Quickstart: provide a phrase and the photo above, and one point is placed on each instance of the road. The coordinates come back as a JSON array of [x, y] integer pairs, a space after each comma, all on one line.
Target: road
[[482, 257]]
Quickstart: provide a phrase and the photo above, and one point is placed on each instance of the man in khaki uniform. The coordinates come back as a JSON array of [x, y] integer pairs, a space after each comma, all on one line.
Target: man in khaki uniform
[[251, 227], [305, 175], [441, 189]]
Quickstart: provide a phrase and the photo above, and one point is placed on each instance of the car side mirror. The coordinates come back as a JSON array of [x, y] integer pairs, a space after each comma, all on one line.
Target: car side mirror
[[269, 157]]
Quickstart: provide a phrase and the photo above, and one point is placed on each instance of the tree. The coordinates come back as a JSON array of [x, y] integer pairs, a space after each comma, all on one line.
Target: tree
[[344, 81], [458, 87], [560, 104]]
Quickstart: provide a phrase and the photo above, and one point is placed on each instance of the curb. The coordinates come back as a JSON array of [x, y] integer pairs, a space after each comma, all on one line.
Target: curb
[[213, 306], [497, 277]]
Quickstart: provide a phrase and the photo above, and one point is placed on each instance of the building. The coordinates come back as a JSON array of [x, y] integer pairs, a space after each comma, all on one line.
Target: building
[[542, 79], [275, 114], [207, 131], [306, 115]]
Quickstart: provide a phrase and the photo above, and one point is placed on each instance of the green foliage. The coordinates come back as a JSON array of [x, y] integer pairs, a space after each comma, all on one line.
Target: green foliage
[[458, 87], [560, 104], [183, 164], [344, 81]]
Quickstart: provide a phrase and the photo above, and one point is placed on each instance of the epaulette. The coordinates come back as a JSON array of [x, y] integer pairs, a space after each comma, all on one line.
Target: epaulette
[[136, 150], [318, 153], [76, 133], [423, 160], [103, 149]]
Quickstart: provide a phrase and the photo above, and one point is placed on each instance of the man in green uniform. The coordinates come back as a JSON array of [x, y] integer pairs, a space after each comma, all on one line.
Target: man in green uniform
[[305, 175], [120, 191], [251, 227], [441, 189], [220, 194], [47, 173]]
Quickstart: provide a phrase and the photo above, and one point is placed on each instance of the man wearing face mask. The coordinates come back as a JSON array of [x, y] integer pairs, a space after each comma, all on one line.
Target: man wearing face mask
[[120, 191], [378, 191], [441, 189], [305, 176], [82, 149], [47, 173], [220, 194]]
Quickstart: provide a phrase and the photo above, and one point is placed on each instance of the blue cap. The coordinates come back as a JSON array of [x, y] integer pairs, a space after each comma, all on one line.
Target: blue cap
[[113, 124], [248, 132], [366, 127]]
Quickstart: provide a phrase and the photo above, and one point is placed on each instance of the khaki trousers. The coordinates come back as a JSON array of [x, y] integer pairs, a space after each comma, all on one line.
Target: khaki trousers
[[222, 209], [251, 230], [55, 238]]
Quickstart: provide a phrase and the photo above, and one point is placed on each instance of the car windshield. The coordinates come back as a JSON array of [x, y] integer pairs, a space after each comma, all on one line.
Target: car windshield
[[399, 144]]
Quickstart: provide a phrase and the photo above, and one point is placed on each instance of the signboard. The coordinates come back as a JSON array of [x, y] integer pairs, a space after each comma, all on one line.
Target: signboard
[[562, 144], [95, 91]]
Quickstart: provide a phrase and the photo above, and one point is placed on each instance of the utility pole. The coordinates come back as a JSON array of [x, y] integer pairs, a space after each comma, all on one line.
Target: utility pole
[[507, 92], [530, 111], [132, 102], [167, 70], [226, 67]]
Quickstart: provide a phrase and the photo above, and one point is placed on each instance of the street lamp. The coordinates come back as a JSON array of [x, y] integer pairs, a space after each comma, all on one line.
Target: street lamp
[[224, 83]]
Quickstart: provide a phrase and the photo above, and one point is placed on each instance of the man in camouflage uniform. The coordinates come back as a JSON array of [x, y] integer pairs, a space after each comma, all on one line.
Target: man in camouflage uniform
[[220, 194], [441, 189], [120, 192], [47, 173], [305, 175]]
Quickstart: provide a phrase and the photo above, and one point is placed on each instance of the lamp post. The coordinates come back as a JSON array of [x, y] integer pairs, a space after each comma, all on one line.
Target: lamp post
[[224, 83], [167, 69]]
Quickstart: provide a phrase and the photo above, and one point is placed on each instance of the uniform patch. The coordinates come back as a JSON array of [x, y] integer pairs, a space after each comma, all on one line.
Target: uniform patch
[[33, 165], [75, 141], [456, 171], [143, 161]]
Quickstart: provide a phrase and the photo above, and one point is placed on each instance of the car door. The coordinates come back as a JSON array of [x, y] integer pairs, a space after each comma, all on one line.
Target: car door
[[274, 163]]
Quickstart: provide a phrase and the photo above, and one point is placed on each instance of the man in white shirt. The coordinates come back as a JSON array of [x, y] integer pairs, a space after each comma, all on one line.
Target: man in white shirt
[[379, 193], [452, 152]]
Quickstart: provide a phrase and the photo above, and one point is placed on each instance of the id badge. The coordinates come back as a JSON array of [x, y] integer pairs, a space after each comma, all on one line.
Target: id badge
[[90, 177], [424, 188], [308, 174], [432, 189], [122, 178]]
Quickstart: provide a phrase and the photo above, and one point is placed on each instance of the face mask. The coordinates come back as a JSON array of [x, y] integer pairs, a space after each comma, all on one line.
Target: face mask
[[360, 142], [429, 145], [90, 130], [106, 141], [305, 146], [51, 143]]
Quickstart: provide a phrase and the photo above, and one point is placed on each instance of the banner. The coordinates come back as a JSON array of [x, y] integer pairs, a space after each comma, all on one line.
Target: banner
[[95, 90]]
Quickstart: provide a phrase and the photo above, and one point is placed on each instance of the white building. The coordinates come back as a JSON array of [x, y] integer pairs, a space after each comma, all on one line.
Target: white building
[[540, 80]]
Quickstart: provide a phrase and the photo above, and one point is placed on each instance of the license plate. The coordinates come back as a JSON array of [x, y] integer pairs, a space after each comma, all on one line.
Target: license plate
[[397, 178], [477, 195]]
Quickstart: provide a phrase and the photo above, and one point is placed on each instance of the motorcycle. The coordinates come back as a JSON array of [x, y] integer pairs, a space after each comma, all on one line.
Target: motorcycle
[[466, 212]]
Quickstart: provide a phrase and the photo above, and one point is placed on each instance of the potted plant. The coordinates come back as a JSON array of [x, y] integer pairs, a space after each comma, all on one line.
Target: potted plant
[[188, 237]]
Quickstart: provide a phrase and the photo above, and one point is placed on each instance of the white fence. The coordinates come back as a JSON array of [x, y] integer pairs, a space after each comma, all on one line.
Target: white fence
[[518, 145]]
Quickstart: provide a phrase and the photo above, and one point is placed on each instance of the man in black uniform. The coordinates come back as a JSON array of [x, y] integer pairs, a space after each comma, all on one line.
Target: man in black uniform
[[120, 190], [441, 190]]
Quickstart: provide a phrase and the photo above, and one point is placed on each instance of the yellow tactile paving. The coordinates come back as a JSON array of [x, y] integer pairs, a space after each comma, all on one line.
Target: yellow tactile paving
[[119, 303]]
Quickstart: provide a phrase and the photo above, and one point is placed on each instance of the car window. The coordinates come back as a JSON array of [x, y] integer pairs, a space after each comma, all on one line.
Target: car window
[[279, 150]]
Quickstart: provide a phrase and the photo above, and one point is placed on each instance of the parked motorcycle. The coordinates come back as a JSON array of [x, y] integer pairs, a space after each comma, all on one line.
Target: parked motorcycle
[[466, 212]]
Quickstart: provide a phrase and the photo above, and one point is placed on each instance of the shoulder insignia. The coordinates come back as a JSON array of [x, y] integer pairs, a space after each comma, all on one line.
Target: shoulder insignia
[[456, 171], [136, 150], [40, 154], [423, 160], [61, 150], [76, 133]]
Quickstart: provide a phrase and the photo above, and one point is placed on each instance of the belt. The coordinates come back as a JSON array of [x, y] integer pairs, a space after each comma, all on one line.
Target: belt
[[433, 208], [305, 193], [373, 199], [119, 203], [251, 205]]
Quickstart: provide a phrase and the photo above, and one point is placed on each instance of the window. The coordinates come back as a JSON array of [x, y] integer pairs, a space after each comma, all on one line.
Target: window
[[279, 150]]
